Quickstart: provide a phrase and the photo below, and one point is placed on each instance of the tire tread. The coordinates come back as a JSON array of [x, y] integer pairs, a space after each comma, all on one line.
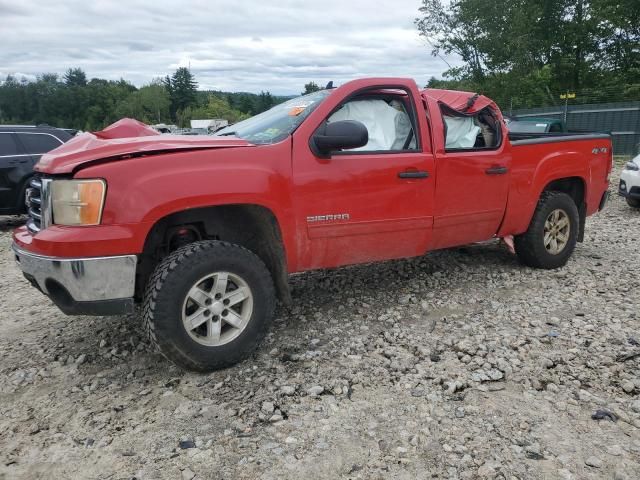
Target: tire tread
[[633, 202], [157, 282], [528, 247]]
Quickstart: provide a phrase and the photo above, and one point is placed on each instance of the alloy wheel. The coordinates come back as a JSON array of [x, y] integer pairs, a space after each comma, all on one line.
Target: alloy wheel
[[217, 308], [557, 230]]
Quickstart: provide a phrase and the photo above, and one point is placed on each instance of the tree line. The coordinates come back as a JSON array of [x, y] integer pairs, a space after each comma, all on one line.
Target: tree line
[[528, 52], [521, 53], [74, 101]]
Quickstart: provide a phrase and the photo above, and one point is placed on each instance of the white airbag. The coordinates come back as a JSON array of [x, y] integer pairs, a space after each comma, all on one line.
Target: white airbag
[[461, 132], [388, 127]]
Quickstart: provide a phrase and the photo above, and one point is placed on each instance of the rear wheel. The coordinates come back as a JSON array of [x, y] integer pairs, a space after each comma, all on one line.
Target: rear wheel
[[208, 305], [552, 234], [633, 202]]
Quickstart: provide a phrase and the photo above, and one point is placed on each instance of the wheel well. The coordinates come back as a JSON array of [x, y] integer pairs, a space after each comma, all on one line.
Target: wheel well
[[575, 188], [572, 186], [251, 226]]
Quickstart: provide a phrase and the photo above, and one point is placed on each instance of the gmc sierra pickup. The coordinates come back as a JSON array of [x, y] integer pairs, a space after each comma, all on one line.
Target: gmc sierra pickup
[[203, 231]]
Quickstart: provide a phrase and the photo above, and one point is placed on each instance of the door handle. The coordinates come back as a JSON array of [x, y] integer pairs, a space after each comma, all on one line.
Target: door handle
[[413, 174], [497, 170]]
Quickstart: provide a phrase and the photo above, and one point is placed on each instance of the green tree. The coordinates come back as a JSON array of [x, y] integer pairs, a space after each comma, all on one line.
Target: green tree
[[73, 101], [310, 88], [12, 100], [105, 99], [218, 107], [75, 77], [246, 104], [264, 103], [532, 48], [183, 117], [182, 88], [619, 30], [150, 104]]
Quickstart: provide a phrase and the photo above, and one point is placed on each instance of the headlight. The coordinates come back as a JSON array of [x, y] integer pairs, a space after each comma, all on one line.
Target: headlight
[[631, 166], [77, 202]]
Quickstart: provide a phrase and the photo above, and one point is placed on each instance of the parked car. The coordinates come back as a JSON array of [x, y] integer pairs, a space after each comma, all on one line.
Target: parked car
[[20, 148], [164, 128], [204, 230], [209, 126], [536, 125], [630, 182]]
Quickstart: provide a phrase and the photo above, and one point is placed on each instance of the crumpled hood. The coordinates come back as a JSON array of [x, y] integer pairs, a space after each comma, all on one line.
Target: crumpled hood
[[124, 139]]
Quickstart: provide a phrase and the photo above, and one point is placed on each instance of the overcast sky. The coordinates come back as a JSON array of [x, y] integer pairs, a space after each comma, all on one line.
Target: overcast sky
[[241, 45]]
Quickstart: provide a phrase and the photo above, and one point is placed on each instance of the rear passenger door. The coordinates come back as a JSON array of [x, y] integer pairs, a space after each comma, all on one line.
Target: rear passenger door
[[33, 144], [38, 143], [13, 160], [472, 185]]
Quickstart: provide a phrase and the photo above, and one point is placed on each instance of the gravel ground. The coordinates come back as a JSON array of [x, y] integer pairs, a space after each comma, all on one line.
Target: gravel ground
[[460, 364]]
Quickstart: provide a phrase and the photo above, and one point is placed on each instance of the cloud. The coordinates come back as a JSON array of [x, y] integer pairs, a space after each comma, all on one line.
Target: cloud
[[9, 9], [247, 45]]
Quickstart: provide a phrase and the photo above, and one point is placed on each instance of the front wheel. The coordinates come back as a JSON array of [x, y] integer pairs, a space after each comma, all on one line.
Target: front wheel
[[633, 202], [208, 305], [552, 234]]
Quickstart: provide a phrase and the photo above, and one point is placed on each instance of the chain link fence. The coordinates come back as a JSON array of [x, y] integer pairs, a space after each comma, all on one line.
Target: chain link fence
[[592, 111]]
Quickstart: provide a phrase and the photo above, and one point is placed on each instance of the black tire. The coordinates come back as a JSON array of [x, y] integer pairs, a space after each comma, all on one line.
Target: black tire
[[530, 246], [633, 202], [21, 206], [168, 288]]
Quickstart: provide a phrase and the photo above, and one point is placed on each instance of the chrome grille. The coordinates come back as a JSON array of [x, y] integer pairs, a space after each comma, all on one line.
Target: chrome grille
[[37, 204]]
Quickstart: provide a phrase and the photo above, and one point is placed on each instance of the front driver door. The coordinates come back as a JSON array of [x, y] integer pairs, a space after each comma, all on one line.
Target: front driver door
[[362, 206]]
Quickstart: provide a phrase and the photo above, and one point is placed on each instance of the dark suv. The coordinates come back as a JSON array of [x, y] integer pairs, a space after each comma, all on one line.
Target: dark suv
[[20, 149]]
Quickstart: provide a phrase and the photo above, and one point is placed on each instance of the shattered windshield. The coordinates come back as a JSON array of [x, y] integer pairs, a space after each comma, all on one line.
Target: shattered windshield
[[277, 123]]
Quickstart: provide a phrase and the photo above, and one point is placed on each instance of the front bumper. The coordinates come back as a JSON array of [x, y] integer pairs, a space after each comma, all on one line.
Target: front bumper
[[82, 286], [629, 186]]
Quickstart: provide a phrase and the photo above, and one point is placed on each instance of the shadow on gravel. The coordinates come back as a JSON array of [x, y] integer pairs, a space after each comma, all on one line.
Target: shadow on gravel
[[325, 284], [8, 223], [123, 344]]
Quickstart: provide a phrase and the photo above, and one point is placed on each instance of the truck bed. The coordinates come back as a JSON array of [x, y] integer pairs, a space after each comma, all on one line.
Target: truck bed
[[558, 155]]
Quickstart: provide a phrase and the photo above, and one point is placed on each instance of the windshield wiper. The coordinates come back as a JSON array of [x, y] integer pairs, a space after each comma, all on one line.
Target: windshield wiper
[[225, 134]]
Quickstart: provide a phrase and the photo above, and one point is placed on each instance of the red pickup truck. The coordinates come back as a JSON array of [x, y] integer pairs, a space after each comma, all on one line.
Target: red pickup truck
[[203, 231]]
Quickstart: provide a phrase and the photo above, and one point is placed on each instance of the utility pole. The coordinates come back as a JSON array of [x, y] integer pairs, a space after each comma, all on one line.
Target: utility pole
[[566, 97]]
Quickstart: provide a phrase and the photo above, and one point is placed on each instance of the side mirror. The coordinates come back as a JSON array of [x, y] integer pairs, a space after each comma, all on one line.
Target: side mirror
[[340, 135]]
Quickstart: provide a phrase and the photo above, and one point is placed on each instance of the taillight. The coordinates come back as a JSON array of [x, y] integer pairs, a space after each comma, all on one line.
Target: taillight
[[610, 166]]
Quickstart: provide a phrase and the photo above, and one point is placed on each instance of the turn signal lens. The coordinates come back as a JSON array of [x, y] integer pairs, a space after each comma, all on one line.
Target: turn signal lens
[[77, 202]]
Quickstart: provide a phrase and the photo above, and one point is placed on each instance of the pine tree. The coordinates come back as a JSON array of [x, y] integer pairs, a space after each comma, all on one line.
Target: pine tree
[[182, 88]]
